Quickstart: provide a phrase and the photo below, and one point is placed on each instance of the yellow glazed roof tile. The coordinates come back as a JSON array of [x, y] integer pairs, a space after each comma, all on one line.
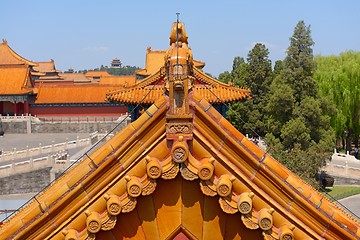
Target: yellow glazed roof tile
[[15, 80], [212, 94], [10, 57], [43, 67], [86, 185], [118, 80], [89, 93]]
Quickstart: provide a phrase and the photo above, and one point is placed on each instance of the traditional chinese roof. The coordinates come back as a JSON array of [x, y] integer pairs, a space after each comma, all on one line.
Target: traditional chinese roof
[[45, 67], [10, 57], [60, 94], [210, 88], [75, 77], [118, 80], [46, 72], [97, 74], [180, 171], [15, 80], [137, 186], [212, 94], [155, 60]]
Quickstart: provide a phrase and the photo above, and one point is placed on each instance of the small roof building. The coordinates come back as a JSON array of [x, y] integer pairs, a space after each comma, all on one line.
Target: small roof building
[[96, 75], [45, 72], [116, 63], [155, 59]]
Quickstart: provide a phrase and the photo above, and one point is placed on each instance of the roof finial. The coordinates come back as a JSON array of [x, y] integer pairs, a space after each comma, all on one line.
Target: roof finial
[[177, 39]]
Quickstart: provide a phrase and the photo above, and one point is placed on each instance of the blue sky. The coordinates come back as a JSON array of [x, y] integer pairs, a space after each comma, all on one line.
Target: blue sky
[[87, 34]]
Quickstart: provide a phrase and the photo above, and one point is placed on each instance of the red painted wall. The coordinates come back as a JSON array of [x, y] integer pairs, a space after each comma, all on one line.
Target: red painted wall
[[78, 111]]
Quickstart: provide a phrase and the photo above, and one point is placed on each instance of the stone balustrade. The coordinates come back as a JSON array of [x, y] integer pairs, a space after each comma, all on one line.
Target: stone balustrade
[[31, 152], [32, 124], [58, 161], [343, 165], [342, 170]]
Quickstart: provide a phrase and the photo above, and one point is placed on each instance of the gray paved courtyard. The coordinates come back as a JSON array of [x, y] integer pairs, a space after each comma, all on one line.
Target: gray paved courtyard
[[353, 204]]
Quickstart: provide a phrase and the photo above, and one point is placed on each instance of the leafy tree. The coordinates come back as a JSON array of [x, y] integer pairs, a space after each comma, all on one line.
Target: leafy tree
[[299, 64], [225, 77], [239, 72], [259, 71], [297, 118], [305, 163], [285, 105], [279, 108], [293, 93], [295, 130], [123, 70], [278, 67], [255, 74], [338, 78], [237, 62]]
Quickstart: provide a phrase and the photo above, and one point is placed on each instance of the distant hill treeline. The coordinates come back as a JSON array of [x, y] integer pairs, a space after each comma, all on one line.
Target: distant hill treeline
[[123, 70]]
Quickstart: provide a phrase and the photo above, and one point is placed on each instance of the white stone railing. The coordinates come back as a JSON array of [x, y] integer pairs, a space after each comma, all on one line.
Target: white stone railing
[[19, 118], [31, 152], [57, 156], [59, 161], [80, 119], [342, 170], [343, 165]]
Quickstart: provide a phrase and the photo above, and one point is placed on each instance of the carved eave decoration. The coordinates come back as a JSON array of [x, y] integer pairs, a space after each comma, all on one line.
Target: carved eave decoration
[[88, 199]]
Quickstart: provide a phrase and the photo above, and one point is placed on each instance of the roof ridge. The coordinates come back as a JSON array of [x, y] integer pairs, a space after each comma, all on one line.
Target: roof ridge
[[16, 55]]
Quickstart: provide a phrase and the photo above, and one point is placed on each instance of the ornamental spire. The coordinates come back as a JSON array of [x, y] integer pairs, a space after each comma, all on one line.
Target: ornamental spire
[[179, 80]]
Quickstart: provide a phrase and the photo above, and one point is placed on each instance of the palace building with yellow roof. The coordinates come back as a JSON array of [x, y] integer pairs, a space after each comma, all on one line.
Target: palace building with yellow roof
[[179, 171], [38, 88]]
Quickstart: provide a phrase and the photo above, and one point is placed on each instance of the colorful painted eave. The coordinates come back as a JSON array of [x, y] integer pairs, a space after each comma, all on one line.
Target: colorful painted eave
[[131, 169]]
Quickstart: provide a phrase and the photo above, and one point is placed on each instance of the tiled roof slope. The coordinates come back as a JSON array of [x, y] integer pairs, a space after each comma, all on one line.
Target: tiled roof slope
[[212, 94], [45, 67], [225, 187], [213, 90], [10, 57], [75, 77], [15, 80], [118, 80], [97, 74], [88, 93], [155, 60]]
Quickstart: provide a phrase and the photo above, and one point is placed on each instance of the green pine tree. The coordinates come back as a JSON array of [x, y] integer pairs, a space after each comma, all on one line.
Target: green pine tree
[[298, 119], [255, 74]]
